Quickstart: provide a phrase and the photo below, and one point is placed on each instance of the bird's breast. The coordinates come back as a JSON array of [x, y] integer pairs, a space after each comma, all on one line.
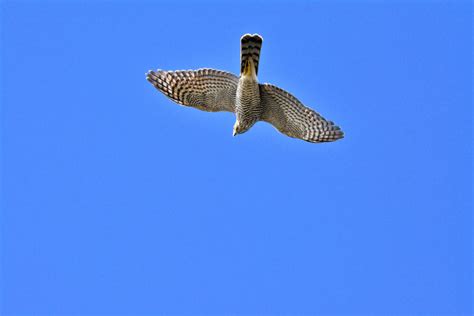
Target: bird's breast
[[248, 107]]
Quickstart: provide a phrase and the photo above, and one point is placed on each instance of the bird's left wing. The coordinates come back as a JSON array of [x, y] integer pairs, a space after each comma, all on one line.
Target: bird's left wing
[[292, 118], [205, 89]]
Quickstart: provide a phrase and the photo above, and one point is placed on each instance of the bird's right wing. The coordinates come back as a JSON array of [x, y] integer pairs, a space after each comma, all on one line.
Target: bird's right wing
[[206, 89], [292, 118]]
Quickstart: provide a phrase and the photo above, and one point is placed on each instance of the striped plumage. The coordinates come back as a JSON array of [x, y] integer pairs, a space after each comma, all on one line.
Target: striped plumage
[[250, 46], [214, 90], [248, 108], [292, 118], [206, 89]]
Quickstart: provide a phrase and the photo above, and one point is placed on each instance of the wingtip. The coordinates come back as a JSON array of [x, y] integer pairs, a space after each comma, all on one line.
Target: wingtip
[[338, 134], [331, 135], [149, 74]]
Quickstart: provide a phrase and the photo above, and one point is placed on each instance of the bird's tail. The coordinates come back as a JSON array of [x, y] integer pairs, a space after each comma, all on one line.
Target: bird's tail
[[250, 46]]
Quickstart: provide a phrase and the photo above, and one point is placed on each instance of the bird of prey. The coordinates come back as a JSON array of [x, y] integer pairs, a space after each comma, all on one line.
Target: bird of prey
[[216, 90]]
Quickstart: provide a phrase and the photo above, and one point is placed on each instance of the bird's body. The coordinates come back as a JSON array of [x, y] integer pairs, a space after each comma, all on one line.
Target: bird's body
[[248, 108], [214, 90]]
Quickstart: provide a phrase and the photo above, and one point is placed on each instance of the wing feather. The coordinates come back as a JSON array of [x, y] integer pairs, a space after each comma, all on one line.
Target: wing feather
[[292, 118], [205, 89]]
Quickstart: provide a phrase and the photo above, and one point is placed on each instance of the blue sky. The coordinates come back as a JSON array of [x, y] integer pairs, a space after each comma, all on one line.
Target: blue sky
[[117, 201]]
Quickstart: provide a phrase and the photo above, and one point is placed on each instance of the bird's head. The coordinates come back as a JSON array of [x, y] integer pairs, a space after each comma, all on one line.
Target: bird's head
[[239, 128], [236, 129]]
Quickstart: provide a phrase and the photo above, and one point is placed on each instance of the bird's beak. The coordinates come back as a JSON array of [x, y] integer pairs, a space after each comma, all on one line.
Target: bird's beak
[[234, 130]]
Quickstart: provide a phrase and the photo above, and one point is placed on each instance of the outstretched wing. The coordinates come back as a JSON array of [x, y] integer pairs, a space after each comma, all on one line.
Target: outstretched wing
[[206, 89], [292, 118]]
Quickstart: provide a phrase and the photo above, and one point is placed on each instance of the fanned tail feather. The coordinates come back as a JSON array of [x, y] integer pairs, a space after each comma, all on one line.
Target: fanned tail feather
[[250, 46]]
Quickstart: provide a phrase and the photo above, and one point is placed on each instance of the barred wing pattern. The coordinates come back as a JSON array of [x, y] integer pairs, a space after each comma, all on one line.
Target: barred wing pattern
[[205, 89], [291, 117]]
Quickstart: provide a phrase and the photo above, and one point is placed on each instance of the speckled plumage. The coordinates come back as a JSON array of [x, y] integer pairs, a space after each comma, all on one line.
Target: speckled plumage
[[215, 90]]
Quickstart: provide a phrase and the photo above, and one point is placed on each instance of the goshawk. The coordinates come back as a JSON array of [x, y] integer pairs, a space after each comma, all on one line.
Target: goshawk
[[215, 90]]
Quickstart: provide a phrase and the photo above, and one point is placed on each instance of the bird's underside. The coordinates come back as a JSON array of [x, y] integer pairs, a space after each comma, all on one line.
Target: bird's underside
[[215, 90]]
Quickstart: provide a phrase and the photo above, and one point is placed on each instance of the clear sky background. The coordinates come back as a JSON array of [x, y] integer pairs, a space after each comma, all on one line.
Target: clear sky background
[[117, 201]]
